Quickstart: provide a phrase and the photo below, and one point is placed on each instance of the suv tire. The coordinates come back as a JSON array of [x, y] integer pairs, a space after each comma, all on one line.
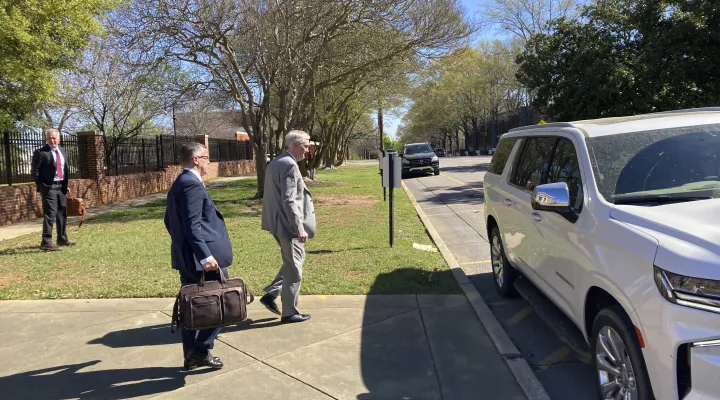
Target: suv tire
[[437, 171], [503, 273], [615, 342]]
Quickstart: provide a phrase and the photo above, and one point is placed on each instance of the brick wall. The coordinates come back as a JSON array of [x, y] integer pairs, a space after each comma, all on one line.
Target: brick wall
[[18, 203]]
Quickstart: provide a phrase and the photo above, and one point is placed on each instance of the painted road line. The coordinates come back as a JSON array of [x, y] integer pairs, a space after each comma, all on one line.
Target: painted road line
[[557, 356], [440, 215], [462, 183], [453, 213], [520, 315], [475, 262]]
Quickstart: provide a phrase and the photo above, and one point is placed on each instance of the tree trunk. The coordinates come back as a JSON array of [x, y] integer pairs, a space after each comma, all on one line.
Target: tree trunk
[[260, 172]]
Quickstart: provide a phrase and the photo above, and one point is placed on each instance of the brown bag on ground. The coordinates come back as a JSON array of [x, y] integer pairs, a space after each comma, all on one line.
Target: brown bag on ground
[[212, 304], [75, 208]]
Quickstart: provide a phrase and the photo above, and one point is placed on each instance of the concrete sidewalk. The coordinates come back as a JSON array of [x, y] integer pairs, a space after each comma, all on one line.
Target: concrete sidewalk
[[35, 226], [354, 347]]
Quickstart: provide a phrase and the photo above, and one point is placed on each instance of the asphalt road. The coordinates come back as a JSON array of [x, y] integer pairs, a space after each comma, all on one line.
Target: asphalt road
[[454, 203]]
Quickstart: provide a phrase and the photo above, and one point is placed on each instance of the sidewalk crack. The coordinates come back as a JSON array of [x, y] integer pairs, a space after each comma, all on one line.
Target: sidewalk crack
[[278, 370], [432, 353]]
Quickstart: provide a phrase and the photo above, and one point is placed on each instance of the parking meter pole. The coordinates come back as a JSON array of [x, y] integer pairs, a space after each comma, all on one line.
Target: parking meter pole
[[391, 178]]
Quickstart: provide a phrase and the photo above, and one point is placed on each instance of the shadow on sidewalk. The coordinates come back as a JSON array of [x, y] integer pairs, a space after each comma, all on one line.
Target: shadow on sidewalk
[[395, 357], [159, 335], [69, 381], [156, 335]]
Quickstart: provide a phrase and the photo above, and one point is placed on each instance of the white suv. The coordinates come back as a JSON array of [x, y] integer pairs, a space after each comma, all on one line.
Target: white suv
[[617, 221]]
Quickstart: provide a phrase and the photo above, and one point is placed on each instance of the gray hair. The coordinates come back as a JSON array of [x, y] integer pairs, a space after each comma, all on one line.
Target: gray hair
[[294, 137], [51, 130], [189, 150]]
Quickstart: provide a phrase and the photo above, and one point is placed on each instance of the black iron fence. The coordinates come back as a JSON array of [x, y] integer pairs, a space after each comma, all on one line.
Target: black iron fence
[[142, 154], [125, 156], [153, 153], [229, 150], [16, 152]]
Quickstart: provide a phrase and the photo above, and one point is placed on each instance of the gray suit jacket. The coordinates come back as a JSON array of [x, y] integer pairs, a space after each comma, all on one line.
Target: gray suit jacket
[[287, 204]]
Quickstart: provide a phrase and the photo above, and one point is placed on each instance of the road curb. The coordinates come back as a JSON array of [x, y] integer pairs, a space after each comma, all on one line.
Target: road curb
[[519, 367]]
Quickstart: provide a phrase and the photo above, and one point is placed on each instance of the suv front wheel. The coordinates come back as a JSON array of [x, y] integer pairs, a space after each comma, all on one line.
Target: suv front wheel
[[503, 272], [618, 361]]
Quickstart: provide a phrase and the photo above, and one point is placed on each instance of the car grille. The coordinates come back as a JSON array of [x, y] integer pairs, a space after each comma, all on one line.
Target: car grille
[[421, 162]]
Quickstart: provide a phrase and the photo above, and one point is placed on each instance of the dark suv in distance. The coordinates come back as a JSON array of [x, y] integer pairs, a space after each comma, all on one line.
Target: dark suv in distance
[[440, 152], [419, 157]]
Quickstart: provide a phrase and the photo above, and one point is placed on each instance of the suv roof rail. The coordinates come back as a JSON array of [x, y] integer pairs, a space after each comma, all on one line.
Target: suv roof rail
[[550, 125], [687, 110]]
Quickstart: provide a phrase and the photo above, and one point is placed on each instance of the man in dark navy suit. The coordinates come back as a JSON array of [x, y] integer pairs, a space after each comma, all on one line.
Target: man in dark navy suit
[[199, 243], [50, 172]]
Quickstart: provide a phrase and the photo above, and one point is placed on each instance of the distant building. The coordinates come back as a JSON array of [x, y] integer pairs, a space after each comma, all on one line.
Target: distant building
[[489, 132]]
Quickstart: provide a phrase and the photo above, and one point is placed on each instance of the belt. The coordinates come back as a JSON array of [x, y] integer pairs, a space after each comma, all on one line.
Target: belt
[[57, 184]]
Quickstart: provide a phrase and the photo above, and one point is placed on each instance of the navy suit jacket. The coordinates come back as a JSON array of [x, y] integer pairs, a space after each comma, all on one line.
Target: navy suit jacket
[[197, 229], [43, 168]]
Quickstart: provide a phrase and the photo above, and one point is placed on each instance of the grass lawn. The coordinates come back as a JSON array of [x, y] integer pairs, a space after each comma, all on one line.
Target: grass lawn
[[126, 253]]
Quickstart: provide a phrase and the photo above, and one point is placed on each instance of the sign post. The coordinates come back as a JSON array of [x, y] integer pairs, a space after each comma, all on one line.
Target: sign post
[[392, 171], [381, 159]]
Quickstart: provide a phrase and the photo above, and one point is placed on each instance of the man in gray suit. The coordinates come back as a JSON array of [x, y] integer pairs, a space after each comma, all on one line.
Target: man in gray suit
[[289, 215]]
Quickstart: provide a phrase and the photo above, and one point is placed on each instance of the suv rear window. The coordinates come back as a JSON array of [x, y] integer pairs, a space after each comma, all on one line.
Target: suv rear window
[[501, 155]]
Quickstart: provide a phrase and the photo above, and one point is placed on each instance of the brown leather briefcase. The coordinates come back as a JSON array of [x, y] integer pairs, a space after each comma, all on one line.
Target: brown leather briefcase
[[75, 208], [211, 304]]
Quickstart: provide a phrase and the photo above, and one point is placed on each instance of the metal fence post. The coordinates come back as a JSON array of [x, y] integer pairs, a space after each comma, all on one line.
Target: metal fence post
[[117, 159], [158, 152], [142, 142], [8, 162]]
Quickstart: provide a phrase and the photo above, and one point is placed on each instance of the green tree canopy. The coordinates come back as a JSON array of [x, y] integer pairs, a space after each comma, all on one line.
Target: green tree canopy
[[38, 39], [626, 57]]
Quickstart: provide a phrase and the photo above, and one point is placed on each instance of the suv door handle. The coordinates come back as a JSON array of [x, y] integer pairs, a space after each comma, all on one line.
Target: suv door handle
[[508, 202], [537, 217]]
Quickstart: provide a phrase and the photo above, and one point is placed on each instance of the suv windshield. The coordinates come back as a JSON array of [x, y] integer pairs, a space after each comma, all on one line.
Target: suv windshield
[[659, 166], [417, 148]]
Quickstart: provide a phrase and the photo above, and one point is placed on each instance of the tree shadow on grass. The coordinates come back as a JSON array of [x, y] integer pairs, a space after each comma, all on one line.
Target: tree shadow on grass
[[14, 251]]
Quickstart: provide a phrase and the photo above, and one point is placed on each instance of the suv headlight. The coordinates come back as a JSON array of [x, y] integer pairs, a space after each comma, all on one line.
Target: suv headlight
[[434, 158], [687, 291], [405, 161]]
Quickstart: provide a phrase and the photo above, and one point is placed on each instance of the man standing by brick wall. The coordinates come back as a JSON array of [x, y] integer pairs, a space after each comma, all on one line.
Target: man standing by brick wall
[[51, 174]]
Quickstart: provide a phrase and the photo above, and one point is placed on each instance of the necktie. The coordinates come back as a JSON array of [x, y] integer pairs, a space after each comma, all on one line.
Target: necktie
[[58, 165]]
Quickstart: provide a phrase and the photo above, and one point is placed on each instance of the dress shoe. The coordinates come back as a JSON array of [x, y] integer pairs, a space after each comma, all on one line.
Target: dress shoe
[[295, 318], [194, 360], [49, 247], [66, 243], [269, 303]]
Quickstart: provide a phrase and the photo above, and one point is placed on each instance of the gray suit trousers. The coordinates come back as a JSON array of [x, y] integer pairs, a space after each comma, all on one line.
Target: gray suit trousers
[[289, 277]]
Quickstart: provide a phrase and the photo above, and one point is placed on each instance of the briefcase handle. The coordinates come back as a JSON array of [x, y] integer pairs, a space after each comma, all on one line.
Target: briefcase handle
[[202, 279]]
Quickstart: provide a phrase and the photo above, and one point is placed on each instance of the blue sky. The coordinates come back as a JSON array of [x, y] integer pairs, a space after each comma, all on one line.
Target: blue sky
[[391, 123]]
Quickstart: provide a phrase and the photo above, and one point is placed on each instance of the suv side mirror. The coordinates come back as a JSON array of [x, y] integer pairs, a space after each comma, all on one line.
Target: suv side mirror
[[553, 197]]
